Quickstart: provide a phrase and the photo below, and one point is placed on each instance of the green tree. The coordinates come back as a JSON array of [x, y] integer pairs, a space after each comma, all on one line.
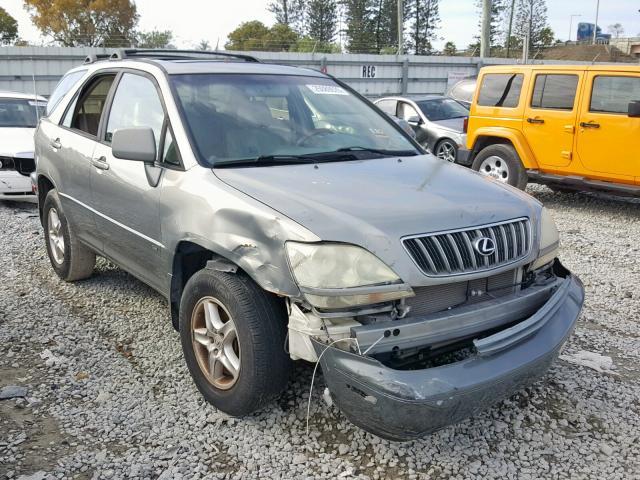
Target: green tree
[[546, 37], [8, 28], [385, 19], [109, 23], [322, 18], [289, 12], [203, 45], [281, 38], [449, 49], [531, 16], [498, 7], [155, 39], [248, 36], [360, 29], [257, 36], [424, 16]]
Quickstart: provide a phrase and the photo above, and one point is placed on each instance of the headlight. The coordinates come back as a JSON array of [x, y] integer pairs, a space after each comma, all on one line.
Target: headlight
[[549, 240], [338, 275]]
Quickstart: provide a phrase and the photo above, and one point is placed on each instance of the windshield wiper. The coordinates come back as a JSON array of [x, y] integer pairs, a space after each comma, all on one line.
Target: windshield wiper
[[264, 159], [388, 153]]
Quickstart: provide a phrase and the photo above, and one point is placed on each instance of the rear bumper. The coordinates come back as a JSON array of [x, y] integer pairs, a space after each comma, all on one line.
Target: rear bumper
[[407, 404], [463, 157]]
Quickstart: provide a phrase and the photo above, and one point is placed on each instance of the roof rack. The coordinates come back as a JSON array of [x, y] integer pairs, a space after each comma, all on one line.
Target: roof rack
[[94, 57], [166, 54]]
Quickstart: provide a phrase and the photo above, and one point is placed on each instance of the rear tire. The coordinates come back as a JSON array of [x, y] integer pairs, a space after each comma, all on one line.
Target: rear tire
[[232, 334], [70, 259], [502, 163]]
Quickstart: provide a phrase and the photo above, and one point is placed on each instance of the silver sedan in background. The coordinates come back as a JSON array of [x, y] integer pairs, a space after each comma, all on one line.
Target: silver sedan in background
[[439, 123]]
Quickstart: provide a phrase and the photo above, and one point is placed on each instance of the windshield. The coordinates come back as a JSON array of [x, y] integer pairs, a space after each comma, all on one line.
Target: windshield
[[240, 117], [442, 109], [20, 112]]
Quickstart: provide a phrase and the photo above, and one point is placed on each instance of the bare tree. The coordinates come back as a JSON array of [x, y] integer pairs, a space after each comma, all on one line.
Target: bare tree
[[616, 29]]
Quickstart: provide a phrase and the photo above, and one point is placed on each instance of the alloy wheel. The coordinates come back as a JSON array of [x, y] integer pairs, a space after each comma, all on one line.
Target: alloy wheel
[[496, 168], [56, 237], [215, 343], [446, 151]]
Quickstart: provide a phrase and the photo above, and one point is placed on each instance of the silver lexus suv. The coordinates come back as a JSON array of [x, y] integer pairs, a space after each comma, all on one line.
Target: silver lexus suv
[[284, 217]]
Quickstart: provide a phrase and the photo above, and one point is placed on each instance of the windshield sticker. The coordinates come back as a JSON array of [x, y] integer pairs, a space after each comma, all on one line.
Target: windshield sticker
[[34, 103], [327, 90]]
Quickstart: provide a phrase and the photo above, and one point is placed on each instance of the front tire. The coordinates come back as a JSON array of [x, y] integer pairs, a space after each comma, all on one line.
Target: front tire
[[70, 259], [232, 334], [446, 150], [502, 163]]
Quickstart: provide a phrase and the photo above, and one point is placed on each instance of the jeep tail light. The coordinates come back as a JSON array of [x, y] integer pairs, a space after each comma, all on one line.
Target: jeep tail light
[[465, 124]]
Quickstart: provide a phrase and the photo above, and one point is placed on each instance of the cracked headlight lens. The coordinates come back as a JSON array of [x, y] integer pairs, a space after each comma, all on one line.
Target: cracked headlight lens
[[334, 265]]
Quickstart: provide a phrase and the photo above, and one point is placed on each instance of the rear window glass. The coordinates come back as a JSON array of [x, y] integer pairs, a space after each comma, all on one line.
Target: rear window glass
[[64, 85], [500, 90], [613, 94], [556, 92]]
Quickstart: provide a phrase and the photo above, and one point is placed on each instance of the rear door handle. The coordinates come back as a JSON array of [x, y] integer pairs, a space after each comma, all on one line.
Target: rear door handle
[[100, 163], [55, 144], [589, 125], [535, 120]]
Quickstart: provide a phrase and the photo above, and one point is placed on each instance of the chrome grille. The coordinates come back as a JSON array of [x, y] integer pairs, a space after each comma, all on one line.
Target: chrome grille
[[453, 253]]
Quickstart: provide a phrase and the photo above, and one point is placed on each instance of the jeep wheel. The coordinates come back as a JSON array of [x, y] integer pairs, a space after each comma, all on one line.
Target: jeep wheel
[[502, 163], [70, 259], [446, 150], [233, 335]]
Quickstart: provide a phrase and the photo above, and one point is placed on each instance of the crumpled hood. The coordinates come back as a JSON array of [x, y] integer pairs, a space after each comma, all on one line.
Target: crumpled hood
[[16, 140], [374, 203]]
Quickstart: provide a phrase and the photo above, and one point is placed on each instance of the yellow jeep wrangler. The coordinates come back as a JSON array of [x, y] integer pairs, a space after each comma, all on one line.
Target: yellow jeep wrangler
[[570, 127]]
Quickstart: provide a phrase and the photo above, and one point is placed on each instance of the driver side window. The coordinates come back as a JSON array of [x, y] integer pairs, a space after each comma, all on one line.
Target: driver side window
[[136, 104], [406, 111]]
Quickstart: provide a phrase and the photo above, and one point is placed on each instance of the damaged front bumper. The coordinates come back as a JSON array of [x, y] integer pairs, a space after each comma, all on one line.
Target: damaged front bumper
[[409, 403]]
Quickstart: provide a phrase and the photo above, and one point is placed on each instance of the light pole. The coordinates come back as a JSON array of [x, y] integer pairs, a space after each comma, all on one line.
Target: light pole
[[571, 23], [595, 26]]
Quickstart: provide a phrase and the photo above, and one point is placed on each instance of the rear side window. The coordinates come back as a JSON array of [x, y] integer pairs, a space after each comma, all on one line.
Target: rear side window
[[500, 90], [557, 92], [65, 84], [86, 111], [612, 94]]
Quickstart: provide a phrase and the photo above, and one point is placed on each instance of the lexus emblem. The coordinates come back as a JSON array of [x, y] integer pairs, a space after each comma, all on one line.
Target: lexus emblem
[[484, 246]]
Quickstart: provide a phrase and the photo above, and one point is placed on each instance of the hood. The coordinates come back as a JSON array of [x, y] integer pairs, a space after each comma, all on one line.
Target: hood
[[16, 140], [453, 124], [374, 203]]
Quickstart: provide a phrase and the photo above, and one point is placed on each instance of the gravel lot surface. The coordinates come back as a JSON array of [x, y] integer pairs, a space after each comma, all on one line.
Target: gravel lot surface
[[108, 394]]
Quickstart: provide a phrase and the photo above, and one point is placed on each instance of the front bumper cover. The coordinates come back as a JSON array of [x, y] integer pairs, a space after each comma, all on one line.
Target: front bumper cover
[[407, 404]]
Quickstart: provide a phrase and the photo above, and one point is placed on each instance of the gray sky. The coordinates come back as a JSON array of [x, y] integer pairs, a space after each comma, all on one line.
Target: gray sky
[[195, 20]]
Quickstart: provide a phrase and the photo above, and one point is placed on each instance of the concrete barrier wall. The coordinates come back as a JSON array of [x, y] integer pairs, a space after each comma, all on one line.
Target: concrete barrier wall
[[24, 69]]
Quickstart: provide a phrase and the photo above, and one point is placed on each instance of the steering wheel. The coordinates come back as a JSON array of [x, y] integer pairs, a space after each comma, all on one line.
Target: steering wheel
[[315, 133]]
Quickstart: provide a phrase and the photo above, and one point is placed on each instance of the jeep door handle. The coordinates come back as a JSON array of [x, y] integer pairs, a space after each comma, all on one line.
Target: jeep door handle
[[100, 163], [55, 144], [589, 125], [535, 120]]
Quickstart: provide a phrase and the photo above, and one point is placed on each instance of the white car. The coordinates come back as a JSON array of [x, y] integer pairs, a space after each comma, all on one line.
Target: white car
[[19, 115]]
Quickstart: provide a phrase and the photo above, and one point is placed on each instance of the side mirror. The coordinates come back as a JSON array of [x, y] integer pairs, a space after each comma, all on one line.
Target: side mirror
[[634, 109], [136, 143], [414, 120]]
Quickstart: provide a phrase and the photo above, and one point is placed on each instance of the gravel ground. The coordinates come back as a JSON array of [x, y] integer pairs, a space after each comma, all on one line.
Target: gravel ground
[[109, 396]]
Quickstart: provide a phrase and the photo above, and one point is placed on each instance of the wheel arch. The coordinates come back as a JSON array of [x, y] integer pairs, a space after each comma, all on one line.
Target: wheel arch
[[192, 255], [506, 136], [45, 185]]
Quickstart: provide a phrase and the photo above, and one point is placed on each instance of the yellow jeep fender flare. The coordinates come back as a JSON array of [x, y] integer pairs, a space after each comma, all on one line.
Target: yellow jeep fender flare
[[482, 138]]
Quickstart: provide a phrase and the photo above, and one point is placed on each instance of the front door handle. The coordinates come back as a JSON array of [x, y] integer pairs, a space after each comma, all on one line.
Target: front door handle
[[55, 144], [535, 120], [589, 125], [100, 163]]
